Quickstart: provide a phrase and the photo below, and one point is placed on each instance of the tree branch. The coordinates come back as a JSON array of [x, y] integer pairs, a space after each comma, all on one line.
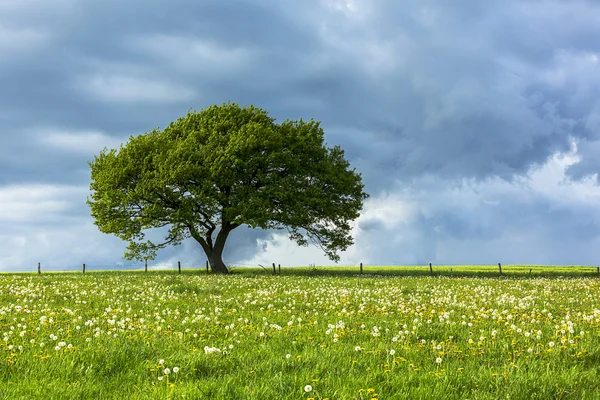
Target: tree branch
[[196, 235]]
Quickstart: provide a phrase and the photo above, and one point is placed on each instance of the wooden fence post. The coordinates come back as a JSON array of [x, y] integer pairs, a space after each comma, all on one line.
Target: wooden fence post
[[597, 269], [145, 265], [430, 269], [361, 271], [279, 266], [206, 267], [274, 270], [39, 269], [529, 271], [83, 268], [179, 266], [500, 268]]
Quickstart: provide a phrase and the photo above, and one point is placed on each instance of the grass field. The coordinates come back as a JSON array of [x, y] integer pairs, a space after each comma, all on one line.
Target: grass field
[[309, 333]]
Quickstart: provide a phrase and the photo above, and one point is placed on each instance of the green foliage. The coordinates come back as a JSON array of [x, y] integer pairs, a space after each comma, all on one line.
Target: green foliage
[[214, 170]]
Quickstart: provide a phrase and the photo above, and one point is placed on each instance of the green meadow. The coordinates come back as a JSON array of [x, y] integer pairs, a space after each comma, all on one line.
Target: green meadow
[[310, 333]]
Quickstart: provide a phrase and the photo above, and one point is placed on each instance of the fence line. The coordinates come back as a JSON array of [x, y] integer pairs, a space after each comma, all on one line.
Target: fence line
[[433, 269]]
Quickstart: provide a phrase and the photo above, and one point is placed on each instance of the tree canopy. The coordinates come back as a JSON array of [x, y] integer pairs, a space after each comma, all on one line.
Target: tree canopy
[[214, 170]]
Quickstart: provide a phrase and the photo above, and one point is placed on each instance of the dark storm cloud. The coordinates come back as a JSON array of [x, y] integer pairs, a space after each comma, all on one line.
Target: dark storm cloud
[[413, 91], [457, 86]]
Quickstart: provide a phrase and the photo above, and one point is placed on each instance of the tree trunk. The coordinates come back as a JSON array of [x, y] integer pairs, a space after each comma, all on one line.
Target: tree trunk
[[217, 265], [214, 252]]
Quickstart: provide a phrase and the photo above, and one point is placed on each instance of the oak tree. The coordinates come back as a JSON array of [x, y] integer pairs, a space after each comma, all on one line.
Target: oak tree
[[212, 171]]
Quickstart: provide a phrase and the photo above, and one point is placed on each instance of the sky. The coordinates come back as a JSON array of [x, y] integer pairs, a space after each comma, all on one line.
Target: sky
[[475, 125]]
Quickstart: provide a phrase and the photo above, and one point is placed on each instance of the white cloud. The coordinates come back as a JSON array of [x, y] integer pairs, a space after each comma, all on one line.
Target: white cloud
[[488, 221], [83, 142], [48, 224], [279, 249], [38, 203], [59, 247], [389, 210], [129, 89]]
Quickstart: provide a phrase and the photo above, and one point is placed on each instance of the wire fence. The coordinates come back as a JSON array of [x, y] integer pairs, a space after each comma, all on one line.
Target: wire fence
[[43, 267], [276, 268]]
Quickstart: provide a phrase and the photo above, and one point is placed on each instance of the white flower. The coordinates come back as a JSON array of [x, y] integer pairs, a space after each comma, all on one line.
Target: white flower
[[357, 348], [175, 370], [308, 388], [167, 371], [551, 344], [288, 355], [210, 350], [438, 360], [392, 352], [161, 362]]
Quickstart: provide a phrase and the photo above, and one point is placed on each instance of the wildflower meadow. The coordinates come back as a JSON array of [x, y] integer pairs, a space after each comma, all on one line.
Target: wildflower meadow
[[117, 335]]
